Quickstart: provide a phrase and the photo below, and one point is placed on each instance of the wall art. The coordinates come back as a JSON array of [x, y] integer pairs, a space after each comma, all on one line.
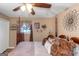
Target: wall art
[[37, 25], [13, 27], [44, 26], [71, 20]]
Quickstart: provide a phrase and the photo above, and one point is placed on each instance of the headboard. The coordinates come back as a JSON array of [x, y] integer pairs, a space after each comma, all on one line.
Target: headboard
[[62, 36], [75, 39]]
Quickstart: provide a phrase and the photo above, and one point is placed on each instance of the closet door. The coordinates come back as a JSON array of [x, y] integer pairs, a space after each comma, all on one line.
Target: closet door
[[4, 35]]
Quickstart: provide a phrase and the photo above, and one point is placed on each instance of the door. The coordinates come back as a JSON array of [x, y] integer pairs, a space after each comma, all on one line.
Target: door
[[4, 35]]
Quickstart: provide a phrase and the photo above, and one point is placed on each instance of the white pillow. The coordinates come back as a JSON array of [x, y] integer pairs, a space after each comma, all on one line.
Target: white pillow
[[76, 50], [48, 46], [51, 40]]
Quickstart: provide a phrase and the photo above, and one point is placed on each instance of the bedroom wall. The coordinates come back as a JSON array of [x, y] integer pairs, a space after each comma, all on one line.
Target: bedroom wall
[[4, 34], [50, 25], [40, 34], [12, 41], [61, 28], [4, 37]]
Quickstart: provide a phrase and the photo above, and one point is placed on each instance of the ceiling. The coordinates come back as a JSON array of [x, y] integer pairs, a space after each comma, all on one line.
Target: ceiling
[[6, 8]]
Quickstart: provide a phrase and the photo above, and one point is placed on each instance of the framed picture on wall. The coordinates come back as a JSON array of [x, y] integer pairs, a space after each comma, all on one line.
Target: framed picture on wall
[[37, 25], [13, 27]]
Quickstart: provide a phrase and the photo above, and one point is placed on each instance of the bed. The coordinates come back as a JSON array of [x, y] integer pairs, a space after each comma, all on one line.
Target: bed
[[38, 49], [29, 49]]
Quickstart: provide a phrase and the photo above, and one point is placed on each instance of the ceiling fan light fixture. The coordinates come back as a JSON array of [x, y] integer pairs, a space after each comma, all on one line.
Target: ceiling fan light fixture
[[23, 8], [29, 7], [32, 12]]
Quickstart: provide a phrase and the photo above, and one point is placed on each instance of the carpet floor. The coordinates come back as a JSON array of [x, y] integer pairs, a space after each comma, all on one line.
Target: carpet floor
[[5, 53]]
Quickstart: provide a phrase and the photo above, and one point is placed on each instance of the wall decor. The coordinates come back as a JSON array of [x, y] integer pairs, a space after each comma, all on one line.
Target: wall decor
[[37, 25], [13, 27], [71, 20], [44, 26]]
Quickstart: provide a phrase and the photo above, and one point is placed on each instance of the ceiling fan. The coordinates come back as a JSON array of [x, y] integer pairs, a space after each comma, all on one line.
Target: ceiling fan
[[31, 5]]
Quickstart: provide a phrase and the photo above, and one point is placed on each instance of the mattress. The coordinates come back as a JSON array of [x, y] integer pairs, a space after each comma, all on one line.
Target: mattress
[[29, 49]]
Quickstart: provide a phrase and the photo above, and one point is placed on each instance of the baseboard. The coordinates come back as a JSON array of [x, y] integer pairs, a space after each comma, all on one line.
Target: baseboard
[[11, 47]]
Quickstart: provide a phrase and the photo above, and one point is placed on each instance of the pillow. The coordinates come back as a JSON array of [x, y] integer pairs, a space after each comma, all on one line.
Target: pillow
[[62, 36], [51, 40], [76, 50], [44, 41], [48, 46], [75, 39]]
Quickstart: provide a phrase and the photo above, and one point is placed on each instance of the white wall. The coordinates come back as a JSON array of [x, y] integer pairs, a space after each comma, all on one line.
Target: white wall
[[4, 35]]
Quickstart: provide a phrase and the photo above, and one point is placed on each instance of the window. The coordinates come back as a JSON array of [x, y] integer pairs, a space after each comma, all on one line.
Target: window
[[25, 28]]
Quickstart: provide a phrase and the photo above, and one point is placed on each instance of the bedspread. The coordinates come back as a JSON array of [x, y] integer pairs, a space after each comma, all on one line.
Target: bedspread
[[29, 49]]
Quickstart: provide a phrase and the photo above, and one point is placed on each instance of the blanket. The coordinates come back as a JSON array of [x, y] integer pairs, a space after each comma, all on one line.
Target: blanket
[[62, 47]]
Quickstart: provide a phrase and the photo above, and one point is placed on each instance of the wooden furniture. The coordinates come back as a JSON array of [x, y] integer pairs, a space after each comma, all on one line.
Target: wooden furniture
[[31, 33], [20, 37]]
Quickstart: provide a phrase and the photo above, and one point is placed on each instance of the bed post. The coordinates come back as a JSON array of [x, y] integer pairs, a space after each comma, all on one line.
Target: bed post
[[20, 36], [56, 26]]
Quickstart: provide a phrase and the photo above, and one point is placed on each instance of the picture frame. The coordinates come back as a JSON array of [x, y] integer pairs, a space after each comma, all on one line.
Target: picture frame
[[13, 27], [37, 25]]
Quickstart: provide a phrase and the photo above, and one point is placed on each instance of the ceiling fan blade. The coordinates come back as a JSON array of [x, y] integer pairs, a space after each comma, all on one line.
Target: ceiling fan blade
[[17, 8], [32, 12], [42, 5]]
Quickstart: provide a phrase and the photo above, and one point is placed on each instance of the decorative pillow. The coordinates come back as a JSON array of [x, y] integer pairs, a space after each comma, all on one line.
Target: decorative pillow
[[75, 39], [51, 40], [44, 41], [48, 46], [62, 36], [50, 36]]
